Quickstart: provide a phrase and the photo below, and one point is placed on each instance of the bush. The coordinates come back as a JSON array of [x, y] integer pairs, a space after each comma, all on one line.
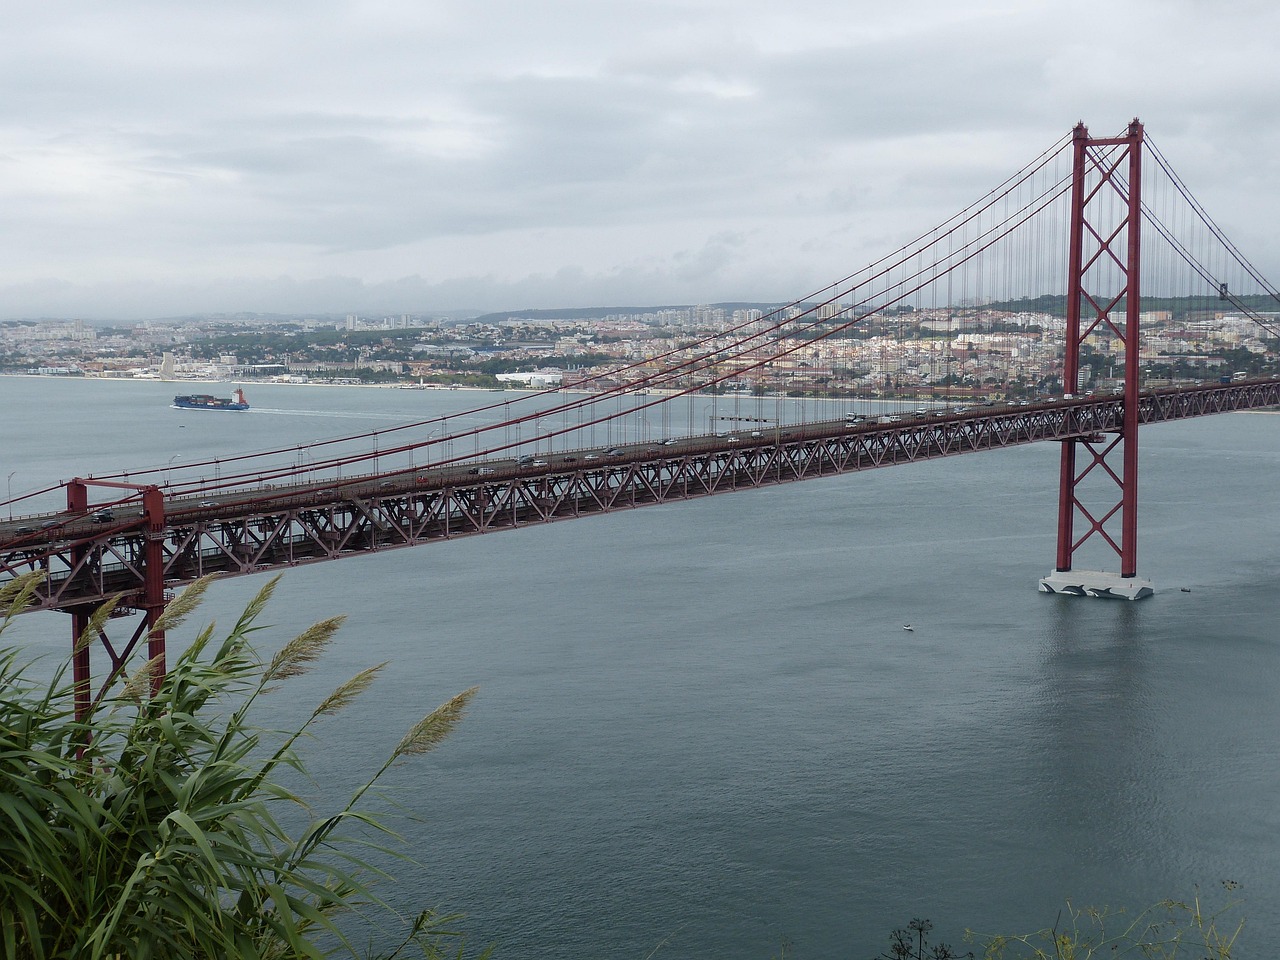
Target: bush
[[151, 827], [1164, 931]]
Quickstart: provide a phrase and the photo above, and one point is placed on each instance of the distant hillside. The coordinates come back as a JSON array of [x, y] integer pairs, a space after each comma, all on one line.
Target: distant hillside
[[1179, 307], [588, 313]]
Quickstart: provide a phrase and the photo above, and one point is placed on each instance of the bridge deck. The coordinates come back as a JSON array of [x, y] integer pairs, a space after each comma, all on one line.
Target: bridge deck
[[88, 558]]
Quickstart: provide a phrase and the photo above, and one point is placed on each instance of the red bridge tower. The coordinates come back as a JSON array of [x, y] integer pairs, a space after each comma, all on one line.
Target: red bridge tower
[[1103, 295]]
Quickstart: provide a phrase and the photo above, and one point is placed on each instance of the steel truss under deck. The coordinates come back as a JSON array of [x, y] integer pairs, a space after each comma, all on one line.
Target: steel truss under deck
[[269, 531]]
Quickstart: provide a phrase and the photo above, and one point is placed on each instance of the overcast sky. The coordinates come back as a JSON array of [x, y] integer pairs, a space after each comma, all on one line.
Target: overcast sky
[[165, 157]]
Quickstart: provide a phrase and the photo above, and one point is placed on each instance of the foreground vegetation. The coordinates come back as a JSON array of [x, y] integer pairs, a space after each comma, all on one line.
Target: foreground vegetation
[[154, 827], [1172, 929]]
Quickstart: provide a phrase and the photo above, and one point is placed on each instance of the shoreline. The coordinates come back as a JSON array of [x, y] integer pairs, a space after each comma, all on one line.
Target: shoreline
[[474, 389], [258, 383]]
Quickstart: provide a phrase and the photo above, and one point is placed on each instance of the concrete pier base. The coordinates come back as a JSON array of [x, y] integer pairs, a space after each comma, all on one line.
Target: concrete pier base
[[1096, 583]]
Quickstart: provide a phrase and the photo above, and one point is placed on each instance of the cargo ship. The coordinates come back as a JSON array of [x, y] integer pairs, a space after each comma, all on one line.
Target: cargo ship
[[203, 401]]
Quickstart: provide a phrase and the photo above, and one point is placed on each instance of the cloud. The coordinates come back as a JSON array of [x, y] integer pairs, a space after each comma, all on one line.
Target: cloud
[[161, 154]]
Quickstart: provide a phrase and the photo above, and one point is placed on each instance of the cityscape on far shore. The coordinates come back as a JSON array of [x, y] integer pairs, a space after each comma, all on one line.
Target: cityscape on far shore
[[994, 351]]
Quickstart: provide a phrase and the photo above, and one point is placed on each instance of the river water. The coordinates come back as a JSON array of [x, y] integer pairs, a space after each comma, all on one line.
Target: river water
[[701, 730]]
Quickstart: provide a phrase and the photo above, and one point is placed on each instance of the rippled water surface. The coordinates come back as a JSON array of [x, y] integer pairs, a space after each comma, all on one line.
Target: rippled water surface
[[702, 731]]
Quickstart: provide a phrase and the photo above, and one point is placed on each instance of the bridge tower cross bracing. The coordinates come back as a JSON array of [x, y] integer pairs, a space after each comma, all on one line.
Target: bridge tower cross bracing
[[1103, 281], [151, 600]]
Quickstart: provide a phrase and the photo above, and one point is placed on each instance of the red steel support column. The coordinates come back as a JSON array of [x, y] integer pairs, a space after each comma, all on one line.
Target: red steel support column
[[81, 675], [1129, 513], [81, 671], [153, 573], [1095, 245], [1071, 363], [77, 496]]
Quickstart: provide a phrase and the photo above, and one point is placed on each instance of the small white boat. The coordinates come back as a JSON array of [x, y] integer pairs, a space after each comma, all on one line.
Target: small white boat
[[908, 627]]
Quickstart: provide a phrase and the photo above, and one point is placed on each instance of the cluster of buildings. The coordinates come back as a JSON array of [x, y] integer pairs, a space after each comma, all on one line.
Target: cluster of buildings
[[972, 351]]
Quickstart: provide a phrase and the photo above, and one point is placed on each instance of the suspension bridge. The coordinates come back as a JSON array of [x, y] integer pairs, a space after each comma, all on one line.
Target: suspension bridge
[[1082, 227]]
